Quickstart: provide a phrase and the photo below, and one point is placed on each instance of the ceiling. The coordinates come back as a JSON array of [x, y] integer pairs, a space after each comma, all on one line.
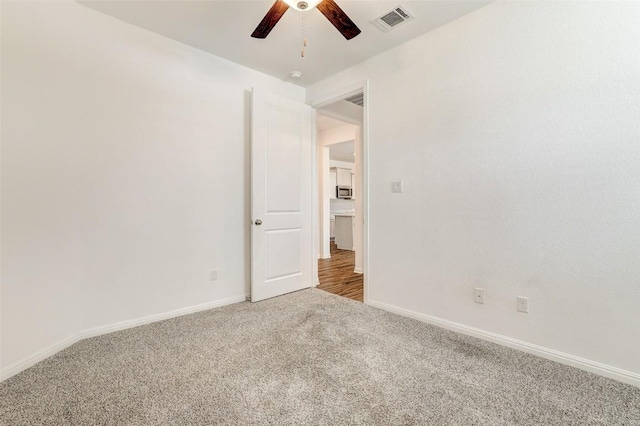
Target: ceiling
[[338, 114], [223, 28], [324, 122], [342, 151]]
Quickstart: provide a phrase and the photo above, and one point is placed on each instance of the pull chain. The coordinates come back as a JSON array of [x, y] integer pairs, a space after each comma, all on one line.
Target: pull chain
[[304, 34]]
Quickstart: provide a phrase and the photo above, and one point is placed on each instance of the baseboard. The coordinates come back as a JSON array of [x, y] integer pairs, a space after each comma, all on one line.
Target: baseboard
[[553, 355], [40, 355], [325, 256], [357, 270]]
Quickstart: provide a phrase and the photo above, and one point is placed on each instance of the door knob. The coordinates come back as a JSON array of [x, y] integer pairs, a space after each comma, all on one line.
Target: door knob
[[258, 222]]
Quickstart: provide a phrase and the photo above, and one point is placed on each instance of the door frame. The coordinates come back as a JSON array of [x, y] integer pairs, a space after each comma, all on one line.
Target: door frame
[[326, 98]]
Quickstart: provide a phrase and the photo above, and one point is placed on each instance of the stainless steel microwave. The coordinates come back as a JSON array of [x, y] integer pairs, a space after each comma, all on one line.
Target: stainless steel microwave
[[344, 192]]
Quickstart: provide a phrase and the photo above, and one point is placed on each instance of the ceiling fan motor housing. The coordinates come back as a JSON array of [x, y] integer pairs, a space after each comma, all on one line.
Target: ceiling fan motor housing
[[328, 8]]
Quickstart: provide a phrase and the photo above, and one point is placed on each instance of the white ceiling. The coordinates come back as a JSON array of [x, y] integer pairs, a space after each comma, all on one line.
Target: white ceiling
[[337, 114], [324, 123], [342, 151], [223, 28]]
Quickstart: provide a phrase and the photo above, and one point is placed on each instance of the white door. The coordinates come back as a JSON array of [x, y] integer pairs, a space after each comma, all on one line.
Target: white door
[[281, 196]]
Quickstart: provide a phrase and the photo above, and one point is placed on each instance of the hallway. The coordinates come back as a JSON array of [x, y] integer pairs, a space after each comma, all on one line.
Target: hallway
[[336, 274]]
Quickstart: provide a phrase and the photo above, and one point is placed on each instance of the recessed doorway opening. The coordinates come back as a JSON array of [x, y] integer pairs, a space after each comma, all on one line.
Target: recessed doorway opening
[[340, 183]]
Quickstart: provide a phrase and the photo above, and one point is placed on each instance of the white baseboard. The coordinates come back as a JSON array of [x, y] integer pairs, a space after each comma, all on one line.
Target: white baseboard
[[42, 354], [561, 357], [325, 256], [357, 270], [35, 358]]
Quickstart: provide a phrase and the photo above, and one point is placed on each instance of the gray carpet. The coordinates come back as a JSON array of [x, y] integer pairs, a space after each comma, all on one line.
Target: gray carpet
[[307, 358]]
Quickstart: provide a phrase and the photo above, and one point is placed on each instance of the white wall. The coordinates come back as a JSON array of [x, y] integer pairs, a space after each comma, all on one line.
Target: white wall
[[325, 191], [125, 170], [516, 130], [339, 134]]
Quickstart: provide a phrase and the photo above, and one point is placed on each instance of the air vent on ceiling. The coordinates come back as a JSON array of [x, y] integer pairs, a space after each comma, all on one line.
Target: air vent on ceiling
[[357, 99], [392, 19]]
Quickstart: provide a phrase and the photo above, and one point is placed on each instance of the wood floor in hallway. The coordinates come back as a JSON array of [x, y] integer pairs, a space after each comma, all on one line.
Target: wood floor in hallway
[[336, 274]]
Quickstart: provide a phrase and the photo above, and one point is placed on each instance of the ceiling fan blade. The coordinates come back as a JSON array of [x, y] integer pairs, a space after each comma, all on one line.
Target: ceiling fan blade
[[338, 18], [270, 19]]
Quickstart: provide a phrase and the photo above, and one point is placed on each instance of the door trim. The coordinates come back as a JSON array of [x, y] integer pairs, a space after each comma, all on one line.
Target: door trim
[[324, 99]]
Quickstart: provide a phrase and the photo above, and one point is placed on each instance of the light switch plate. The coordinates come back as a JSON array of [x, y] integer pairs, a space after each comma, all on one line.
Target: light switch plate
[[397, 186]]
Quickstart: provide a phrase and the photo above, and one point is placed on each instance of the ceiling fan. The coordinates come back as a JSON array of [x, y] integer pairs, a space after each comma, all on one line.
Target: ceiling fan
[[328, 8]]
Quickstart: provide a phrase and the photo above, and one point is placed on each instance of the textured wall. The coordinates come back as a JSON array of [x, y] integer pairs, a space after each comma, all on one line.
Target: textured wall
[[125, 174], [516, 130]]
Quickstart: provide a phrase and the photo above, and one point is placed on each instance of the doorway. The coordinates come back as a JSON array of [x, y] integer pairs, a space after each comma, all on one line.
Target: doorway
[[341, 246]]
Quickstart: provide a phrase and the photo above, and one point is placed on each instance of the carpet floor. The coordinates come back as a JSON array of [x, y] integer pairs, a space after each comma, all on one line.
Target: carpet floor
[[307, 358]]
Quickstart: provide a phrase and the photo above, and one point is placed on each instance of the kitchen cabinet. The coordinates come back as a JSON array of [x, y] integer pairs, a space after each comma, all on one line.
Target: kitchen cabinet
[[332, 186], [343, 177], [344, 231]]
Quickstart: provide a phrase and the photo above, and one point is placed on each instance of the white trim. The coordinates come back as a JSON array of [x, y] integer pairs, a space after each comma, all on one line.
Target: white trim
[[340, 117], [365, 191], [33, 359], [315, 220], [42, 354], [123, 325], [551, 354], [339, 94], [357, 270], [329, 98]]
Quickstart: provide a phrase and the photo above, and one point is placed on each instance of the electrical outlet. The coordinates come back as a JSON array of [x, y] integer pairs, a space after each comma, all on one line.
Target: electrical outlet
[[214, 274], [523, 304], [479, 295]]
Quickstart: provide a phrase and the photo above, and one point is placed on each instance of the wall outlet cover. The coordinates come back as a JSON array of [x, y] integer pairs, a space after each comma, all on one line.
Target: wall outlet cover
[[523, 304], [397, 186]]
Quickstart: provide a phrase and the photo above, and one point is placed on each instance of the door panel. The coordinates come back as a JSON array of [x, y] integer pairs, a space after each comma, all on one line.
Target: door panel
[[283, 253], [283, 163], [281, 190]]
